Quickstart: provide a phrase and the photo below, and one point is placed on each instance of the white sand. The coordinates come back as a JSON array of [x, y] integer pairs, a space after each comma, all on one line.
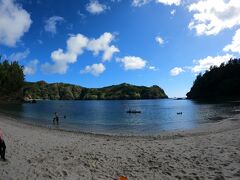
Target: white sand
[[209, 152]]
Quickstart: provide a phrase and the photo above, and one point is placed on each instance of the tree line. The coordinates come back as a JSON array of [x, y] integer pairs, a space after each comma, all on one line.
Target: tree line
[[13, 87], [218, 82], [11, 79], [63, 91]]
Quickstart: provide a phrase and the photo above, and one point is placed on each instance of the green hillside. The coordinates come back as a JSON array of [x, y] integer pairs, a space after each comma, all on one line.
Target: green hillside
[[61, 91]]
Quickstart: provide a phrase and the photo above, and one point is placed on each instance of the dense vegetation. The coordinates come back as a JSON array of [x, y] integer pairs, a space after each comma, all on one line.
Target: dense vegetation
[[13, 87], [61, 91], [11, 80], [219, 82]]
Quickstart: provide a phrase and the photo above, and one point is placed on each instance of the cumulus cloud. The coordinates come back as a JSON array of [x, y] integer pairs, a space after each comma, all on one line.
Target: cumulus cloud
[[19, 55], [103, 44], [95, 69], [205, 63], [94, 7], [212, 16], [169, 2], [61, 59], [235, 45], [176, 71], [76, 45], [31, 67], [202, 65], [132, 62], [14, 22], [159, 40], [51, 24]]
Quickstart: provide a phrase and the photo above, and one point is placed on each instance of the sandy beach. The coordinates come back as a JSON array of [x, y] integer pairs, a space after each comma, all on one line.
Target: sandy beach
[[210, 152]]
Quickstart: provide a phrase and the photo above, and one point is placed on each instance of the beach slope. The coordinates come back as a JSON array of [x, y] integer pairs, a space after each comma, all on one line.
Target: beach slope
[[209, 152]]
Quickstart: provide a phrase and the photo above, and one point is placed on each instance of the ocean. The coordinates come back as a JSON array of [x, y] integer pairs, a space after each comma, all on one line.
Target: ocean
[[111, 117]]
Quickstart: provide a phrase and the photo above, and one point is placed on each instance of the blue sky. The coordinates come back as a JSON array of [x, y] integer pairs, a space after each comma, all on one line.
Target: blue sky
[[99, 43]]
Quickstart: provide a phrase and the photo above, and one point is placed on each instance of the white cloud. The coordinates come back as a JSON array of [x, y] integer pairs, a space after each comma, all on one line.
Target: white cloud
[[159, 40], [14, 22], [31, 68], [153, 68], [51, 24], [103, 44], [56, 68], [94, 7], [95, 69], [235, 45], [132, 62], [76, 45], [19, 55], [205, 63], [173, 12], [138, 3], [176, 71], [212, 16], [169, 2]]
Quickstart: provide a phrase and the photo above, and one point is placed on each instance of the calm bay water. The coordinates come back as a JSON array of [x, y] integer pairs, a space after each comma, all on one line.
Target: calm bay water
[[110, 117]]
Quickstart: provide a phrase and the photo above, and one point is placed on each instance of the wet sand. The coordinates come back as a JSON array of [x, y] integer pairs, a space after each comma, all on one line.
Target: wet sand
[[211, 151]]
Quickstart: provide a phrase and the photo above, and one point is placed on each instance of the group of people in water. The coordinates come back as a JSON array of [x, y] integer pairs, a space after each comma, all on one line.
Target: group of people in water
[[56, 118]]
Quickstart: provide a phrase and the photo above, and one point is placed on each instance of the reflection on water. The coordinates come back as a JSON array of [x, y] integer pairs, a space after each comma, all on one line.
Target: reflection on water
[[111, 117]]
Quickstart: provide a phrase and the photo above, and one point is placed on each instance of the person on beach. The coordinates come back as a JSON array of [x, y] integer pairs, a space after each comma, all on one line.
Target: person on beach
[[2, 146], [56, 118]]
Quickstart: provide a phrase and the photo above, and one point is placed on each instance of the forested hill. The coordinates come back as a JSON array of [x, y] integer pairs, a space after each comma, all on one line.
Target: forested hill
[[13, 87], [11, 81], [61, 91], [219, 82]]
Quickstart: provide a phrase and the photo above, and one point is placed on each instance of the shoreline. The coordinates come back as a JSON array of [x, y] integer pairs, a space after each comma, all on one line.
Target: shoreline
[[227, 124], [208, 152]]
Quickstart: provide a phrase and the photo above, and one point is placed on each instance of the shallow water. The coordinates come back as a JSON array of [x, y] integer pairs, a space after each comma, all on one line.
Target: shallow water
[[110, 117]]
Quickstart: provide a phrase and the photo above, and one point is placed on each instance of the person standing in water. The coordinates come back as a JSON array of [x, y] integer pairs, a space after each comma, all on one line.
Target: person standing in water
[[2, 146], [56, 118]]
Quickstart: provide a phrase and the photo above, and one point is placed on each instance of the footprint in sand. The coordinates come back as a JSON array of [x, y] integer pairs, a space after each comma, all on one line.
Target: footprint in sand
[[64, 173]]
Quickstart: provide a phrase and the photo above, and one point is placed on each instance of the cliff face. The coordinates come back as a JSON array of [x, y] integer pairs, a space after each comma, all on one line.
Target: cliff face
[[219, 82], [61, 91]]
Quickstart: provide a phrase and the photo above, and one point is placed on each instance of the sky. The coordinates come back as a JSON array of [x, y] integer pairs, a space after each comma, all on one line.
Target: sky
[[97, 43]]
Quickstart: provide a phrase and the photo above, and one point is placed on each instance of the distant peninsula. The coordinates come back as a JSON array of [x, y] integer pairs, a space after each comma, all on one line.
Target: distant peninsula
[[62, 91], [221, 82], [15, 88]]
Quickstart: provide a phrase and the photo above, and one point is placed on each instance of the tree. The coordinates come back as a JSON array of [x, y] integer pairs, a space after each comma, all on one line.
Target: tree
[[219, 82], [11, 78]]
